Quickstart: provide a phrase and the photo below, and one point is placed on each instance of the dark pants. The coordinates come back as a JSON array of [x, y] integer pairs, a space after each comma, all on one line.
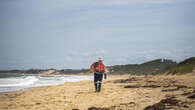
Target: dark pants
[[98, 81]]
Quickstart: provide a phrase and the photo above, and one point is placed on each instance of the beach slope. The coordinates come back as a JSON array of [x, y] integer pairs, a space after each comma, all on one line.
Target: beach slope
[[126, 92]]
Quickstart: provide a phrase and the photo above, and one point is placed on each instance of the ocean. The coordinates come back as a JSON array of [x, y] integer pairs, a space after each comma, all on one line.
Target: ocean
[[13, 82]]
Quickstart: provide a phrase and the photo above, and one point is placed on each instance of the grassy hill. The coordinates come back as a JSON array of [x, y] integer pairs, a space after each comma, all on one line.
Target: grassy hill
[[185, 66], [151, 67], [158, 66]]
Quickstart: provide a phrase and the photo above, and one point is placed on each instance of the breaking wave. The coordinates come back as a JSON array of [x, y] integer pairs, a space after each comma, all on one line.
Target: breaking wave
[[22, 81]]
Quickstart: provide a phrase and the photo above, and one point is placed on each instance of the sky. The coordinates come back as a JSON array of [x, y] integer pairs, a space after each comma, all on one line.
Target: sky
[[64, 34]]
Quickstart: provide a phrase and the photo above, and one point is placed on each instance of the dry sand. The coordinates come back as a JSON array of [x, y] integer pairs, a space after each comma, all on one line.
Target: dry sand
[[118, 93]]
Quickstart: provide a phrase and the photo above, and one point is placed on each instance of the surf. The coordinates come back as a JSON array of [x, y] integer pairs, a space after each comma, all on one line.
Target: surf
[[15, 82]]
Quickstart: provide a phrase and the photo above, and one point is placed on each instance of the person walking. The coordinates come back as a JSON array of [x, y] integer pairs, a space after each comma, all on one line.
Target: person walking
[[98, 68]]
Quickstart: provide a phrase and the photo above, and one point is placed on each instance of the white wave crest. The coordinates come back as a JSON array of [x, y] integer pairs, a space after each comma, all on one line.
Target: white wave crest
[[29, 80]]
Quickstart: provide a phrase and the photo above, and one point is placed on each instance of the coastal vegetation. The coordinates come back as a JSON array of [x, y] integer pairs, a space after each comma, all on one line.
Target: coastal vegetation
[[158, 66]]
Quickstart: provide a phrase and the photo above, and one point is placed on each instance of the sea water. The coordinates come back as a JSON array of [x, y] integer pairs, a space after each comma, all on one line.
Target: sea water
[[14, 82]]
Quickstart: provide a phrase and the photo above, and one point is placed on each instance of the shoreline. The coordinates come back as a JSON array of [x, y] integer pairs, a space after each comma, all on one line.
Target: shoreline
[[32, 87], [121, 91]]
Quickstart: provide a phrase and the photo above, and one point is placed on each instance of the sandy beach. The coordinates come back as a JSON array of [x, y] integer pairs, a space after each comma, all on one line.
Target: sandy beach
[[119, 92]]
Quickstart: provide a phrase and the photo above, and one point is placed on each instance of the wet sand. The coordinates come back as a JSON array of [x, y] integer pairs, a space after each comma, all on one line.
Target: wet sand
[[125, 92]]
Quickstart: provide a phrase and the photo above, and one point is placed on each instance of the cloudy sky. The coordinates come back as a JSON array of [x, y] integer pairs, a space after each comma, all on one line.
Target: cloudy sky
[[72, 34]]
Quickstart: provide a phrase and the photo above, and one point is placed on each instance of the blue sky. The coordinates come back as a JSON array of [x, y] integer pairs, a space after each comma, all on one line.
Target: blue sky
[[65, 34]]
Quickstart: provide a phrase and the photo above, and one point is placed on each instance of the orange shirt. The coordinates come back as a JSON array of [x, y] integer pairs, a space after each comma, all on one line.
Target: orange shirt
[[100, 67]]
